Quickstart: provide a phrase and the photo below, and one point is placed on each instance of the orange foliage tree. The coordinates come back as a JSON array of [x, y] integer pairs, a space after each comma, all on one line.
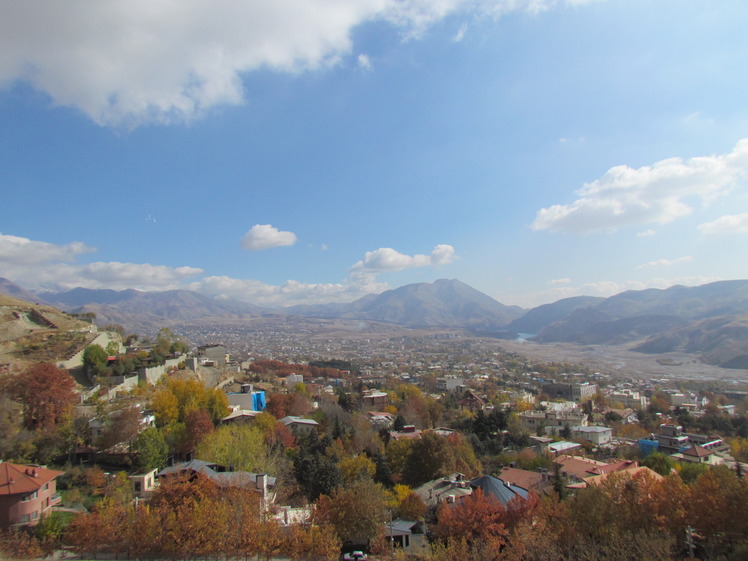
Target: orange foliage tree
[[47, 394]]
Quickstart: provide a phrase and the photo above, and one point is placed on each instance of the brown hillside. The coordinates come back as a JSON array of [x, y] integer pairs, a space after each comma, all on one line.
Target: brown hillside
[[31, 333]]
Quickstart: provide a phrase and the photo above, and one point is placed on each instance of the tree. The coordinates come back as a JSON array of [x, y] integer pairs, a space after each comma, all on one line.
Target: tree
[[240, 446], [356, 512], [95, 359], [175, 398], [357, 468], [659, 462], [472, 518], [121, 426], [47, 394], [198, 425], [427, 459], [151, 450]]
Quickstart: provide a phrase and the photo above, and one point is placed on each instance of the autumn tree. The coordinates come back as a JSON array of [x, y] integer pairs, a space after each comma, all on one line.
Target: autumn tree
[[47, 394], [356, 512], [428, 458], [175, 398], [241, 446], [357, 468], [198, 425], [474, 517]]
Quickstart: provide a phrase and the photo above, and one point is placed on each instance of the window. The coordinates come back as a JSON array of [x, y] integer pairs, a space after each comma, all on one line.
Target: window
[[46, 487], [34, 515], [30, 497]]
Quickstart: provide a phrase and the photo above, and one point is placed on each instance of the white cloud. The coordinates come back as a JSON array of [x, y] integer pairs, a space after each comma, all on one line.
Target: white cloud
[[725, 225], [41, 265], [364, 62], [666, 262], [560, 281], [646, 233], [15, 250], [129, 62], [659, 193], [287, 294], [387, 259], [460, 35], [265, 236], [114, 275]]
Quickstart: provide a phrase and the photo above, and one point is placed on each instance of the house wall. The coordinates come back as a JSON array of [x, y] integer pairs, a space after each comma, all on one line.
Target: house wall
[[14, 510]]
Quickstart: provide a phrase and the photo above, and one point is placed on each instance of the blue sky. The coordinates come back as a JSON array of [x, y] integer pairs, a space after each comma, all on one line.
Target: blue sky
[[308, 151]]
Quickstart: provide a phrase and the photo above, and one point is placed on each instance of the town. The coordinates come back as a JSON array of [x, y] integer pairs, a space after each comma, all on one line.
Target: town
[[286, 445]]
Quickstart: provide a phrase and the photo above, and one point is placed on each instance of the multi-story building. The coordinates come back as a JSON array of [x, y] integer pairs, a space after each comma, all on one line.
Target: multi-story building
[[449, 383], [570, 391], [26, 494]]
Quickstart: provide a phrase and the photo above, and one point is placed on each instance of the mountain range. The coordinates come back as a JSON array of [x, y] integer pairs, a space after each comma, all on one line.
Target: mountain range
[[709, 320]]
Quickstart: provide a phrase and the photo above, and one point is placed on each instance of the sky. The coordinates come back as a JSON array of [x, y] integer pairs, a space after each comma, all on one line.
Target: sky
[[313, 151]]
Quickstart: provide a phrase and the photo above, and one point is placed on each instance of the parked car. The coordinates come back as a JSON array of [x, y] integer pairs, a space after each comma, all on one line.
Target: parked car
[[355, 556]]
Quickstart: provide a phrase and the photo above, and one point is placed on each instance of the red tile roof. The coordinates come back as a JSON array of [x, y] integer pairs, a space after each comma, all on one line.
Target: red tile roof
[[16, 479]]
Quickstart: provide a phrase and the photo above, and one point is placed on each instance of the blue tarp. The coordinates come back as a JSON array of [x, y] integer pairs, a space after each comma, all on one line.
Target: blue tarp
[[258, 401], [647, 446]]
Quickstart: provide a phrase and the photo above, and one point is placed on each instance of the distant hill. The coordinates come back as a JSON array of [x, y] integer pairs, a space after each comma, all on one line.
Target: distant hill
[[144, 312], [711, 320], [443, 303], [537, 318], [11, 289]]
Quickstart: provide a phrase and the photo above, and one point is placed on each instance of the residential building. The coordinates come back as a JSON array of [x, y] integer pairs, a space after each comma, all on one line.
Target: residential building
[[27, 492], [247, 398], [471, 402], [299, 423], [698, 455], [595, 434], [449, 383], [143, 484], [448, 488], [671, 439], [213, 355], [569, 391], [226, 477], [501, 490], [409, 432], [536, 481], [374, 400], [551, 422], [407, 535]]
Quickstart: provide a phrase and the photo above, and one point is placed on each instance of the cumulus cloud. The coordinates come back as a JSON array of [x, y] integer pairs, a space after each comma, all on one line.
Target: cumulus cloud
[[362, 280], [265, 236], [725, 225], [114, 275], [388, 259], [15, 250], [287, 294], [128, 62], [666, 262], [41, 265], [658, 194]]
